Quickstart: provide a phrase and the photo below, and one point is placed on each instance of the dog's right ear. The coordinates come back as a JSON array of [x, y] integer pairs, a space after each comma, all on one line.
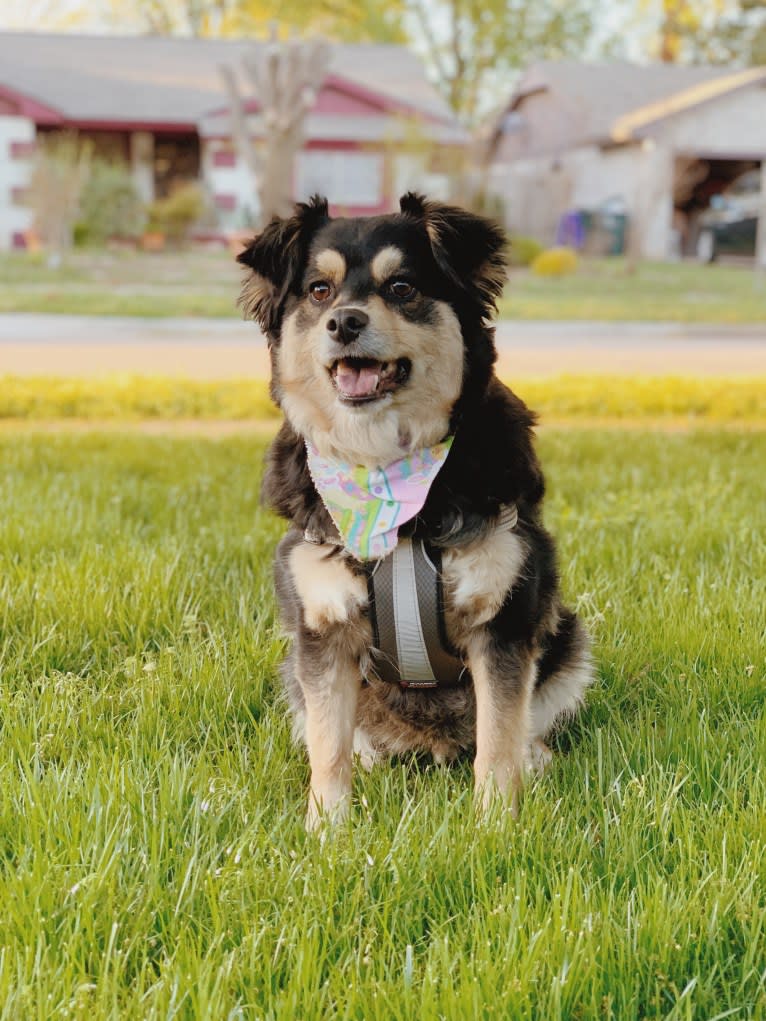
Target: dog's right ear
[[277, 257]]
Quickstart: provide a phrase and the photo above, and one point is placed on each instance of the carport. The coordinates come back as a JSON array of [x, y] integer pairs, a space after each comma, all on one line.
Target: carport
[[697, 179]]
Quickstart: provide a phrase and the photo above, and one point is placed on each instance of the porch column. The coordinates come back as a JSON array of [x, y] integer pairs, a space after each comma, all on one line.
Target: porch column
[[653, 207], [142, 164]]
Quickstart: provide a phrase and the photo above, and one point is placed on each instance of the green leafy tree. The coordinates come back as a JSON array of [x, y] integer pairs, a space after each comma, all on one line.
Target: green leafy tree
[[703, 31], [345, 20], [474, 46], [61, 170]]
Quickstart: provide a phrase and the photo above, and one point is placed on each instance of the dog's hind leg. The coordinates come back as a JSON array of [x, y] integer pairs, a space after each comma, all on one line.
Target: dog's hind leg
[[564, 672], [503, 678]]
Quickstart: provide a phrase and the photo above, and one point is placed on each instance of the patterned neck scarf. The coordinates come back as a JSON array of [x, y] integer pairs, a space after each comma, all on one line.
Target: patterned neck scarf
[[368, 505]]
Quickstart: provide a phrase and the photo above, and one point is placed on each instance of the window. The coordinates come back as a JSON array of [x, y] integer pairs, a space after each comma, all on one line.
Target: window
[[346, 178]]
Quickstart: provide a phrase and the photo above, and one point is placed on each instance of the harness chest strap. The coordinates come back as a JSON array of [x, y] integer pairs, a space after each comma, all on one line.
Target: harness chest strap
[[407, 614], [406, 599]]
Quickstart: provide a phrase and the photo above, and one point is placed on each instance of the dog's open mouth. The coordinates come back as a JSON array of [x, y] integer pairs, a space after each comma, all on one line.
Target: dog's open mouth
[[360, 380]]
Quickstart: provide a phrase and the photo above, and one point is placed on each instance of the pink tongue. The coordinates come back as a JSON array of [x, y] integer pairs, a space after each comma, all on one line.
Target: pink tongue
[[356, 382]]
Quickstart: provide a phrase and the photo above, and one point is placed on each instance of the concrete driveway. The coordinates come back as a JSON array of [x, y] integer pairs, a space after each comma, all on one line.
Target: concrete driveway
[[223, 348]]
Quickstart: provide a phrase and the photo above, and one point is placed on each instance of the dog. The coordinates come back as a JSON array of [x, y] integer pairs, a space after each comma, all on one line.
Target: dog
[[382, 354]]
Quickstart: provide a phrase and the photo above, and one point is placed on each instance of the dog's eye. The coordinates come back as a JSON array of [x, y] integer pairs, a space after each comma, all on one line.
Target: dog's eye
[[401, 288], [320, 291]]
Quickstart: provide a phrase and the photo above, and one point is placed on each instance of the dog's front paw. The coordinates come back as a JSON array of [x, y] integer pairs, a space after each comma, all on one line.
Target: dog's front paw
[[502, 787], [320, 813]]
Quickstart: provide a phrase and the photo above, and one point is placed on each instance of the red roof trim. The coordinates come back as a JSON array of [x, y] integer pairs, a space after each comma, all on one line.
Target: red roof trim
[[29, 107], [46, 116], [377, 100]]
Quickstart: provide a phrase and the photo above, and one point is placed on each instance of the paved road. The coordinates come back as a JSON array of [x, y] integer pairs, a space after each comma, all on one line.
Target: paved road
[[222, 348]]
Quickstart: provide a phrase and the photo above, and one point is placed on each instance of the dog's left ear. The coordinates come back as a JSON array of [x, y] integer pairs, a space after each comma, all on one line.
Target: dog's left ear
[[277, 257], [470, 250]]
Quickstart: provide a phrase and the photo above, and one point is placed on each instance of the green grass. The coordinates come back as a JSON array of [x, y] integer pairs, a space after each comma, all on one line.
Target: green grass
[[602, 289], [205, 283], [153, 863], [683, 400]]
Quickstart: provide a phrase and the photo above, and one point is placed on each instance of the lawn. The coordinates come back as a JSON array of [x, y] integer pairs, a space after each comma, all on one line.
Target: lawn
[[154, 864], [205, 283]]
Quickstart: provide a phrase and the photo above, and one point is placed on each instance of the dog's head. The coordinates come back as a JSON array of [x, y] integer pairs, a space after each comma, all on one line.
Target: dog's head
[[378, 326]]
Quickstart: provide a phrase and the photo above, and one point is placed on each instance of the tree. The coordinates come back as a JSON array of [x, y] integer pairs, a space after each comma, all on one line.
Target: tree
[[286, 77], [346, 20], [742, 36], [377, 21], [474, 46], [52, 14], [706, 31], [62, 166]]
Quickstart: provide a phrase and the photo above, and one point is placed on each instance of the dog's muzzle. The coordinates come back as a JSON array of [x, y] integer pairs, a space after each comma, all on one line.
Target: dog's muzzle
[[362, 380]]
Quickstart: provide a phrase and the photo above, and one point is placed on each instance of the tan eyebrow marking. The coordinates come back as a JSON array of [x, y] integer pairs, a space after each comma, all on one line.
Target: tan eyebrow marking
[[331, 264], [386, 263]]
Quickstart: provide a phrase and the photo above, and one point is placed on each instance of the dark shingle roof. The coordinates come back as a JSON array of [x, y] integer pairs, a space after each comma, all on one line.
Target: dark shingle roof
[[605, 93], [159, 79]]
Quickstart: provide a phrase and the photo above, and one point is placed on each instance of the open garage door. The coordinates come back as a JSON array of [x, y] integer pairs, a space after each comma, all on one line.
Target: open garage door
[[716, 204]]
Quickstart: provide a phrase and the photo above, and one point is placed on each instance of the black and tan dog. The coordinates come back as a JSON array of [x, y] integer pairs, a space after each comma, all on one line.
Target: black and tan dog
[[381, 347]]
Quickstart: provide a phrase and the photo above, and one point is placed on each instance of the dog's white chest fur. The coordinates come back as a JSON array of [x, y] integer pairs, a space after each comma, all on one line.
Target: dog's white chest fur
[[478, 577]]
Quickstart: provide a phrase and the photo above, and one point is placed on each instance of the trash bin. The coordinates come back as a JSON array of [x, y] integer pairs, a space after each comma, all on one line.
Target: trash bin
[[605, 228], [615, 228]]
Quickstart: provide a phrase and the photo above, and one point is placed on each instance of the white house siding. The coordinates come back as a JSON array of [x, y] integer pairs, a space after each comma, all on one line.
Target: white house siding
[[537, 192], [232, 189], [534, 193], [731, 127], [601, 174], [15, 175]]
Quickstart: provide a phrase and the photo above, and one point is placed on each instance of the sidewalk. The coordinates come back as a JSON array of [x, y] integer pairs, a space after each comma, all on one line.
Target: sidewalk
[[220, 349]]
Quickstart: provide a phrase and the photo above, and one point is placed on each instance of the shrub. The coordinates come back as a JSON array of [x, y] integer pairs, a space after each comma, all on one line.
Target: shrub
[[555, 262], [523, 251], [175, 215], [109, 205]]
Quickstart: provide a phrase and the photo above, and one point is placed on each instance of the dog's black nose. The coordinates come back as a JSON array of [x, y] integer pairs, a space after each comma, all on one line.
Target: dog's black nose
[[346, 324]]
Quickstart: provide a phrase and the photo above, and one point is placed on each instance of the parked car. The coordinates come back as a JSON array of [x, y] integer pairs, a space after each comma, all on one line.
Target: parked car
[[730, 225]]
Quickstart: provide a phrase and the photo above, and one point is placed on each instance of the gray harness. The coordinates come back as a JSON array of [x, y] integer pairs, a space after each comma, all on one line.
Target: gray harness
[[406, 598], [407, 616]]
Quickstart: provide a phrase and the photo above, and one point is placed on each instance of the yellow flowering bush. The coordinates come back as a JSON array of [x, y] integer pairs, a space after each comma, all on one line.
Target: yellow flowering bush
[[555, 262]]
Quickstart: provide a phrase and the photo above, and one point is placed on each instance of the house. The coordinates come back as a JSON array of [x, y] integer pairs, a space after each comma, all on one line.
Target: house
[[655, 141], [159, 104]]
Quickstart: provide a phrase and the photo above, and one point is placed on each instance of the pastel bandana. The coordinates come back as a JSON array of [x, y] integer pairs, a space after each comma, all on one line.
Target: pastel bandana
[[368, 505]]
